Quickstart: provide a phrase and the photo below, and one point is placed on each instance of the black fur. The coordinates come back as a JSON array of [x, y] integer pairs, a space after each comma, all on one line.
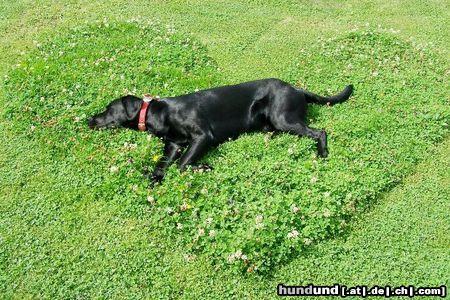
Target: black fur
[[193, 123]]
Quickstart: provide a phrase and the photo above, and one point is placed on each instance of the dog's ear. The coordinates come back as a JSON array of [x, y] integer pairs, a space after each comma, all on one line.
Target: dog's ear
[[131, 105]]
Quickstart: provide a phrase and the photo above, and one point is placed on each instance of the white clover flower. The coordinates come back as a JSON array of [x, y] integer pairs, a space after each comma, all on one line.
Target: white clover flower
[[313, 179], [32, 127], [114, 169], [179, 226], [238, 253], [295, 209], [293, 234], [204, 191], [259, 218], [258, 222], [151, 199], [290, 151], [212, 233], [326, 213], [184, 207], [244, 257], [231, 258], [326, 194], [307, 241], [209, 220], [201, 232]]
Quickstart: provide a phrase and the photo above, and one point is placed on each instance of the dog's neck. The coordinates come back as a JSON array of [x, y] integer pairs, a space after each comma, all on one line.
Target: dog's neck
[[157, 118], [142, 120]]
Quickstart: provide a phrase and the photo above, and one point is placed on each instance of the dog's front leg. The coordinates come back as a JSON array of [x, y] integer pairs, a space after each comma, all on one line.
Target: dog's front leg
[[171, 152], [194, 152]]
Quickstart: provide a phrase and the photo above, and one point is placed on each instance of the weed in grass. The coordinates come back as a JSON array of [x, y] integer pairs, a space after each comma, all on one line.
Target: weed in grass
[[267, 198]]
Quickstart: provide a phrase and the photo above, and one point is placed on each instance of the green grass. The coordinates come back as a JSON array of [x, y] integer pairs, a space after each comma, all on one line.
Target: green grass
[[72, 228], [402, 240]]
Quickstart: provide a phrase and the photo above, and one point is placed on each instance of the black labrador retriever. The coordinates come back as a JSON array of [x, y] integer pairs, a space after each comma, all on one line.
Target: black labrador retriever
[[193, 123]]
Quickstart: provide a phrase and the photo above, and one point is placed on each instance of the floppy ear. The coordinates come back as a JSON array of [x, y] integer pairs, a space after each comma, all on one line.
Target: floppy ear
[[132, 105]]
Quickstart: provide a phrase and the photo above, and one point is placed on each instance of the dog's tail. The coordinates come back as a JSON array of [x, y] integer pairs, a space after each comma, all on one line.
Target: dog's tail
[[341, 97]]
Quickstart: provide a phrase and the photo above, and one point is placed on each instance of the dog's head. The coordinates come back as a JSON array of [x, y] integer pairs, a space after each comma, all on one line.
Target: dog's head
[[122, 112]]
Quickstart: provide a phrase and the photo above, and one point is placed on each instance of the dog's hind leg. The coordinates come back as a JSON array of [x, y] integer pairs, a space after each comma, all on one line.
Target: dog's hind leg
[[302, 129]]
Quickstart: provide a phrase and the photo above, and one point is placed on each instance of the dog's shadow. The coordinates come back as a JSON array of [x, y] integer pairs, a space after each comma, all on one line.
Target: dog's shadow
[[313, 113]]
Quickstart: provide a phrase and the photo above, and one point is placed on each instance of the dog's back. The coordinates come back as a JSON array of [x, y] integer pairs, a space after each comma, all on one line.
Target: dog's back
[[230, 110]]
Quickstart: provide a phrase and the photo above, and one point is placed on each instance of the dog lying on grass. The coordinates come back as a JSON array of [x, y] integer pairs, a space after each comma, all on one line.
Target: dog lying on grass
[[193, 123]]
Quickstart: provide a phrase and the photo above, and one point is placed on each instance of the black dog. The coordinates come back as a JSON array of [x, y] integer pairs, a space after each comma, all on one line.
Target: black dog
[[206, 118]]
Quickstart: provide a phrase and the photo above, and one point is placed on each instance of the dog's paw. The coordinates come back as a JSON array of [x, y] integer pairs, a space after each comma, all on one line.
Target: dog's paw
[[146, 172], [154, 182], [324, 153], [155, 178]]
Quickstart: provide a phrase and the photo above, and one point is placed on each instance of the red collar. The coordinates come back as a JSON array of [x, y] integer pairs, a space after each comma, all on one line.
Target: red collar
[[143, 112]]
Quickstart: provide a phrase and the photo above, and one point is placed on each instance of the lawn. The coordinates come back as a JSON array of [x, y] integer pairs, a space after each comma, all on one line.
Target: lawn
[[76, 218]]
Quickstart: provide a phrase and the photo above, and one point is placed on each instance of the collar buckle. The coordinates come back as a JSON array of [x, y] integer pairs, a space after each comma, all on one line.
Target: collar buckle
[[148, 98]]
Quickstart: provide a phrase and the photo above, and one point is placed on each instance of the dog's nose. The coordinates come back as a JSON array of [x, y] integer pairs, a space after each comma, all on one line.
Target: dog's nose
[[92, 122]]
